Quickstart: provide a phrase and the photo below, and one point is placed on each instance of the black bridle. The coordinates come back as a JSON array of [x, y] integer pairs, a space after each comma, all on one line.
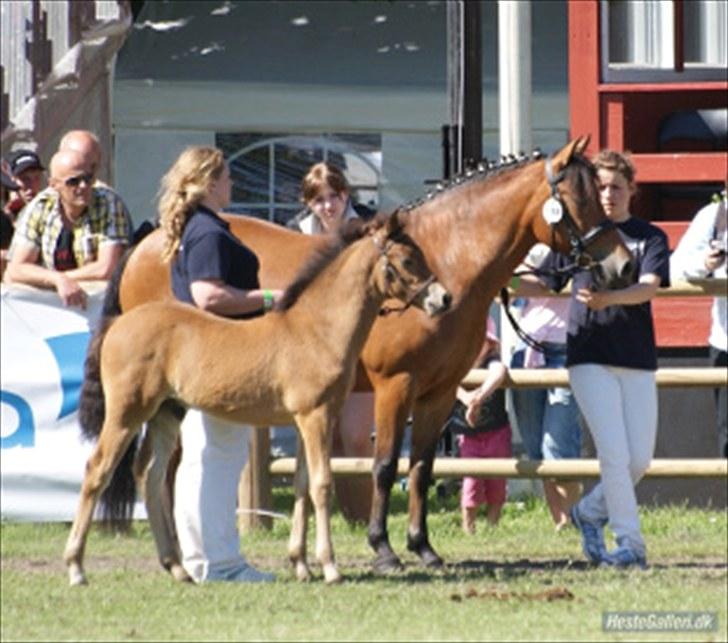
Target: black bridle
[[580, 258]]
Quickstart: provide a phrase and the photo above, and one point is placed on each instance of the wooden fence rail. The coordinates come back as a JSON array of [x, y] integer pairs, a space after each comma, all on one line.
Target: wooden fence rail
[[514, 468]]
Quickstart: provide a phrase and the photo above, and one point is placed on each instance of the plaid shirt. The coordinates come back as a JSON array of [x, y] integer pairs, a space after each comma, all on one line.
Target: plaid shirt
[[106, 220]]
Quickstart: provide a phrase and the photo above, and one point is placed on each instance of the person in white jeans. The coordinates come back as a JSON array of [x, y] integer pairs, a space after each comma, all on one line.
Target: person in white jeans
[[620, 407], [206, 485], [611, 357]]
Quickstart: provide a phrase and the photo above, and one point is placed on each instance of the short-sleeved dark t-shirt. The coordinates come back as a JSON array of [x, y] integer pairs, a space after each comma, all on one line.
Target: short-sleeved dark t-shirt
[[208, 250], [617, 335]]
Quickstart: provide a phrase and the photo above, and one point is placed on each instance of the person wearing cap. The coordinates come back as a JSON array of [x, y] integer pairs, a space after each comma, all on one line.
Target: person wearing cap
[[6, 222], [70, 232], [27, 172]]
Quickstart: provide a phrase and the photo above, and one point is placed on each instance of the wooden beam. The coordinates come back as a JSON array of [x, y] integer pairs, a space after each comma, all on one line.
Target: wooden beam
[[512, 468], [683, 167]]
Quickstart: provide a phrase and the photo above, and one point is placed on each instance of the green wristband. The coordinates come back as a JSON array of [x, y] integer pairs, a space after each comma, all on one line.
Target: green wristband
[[515, 281], [267, 300]]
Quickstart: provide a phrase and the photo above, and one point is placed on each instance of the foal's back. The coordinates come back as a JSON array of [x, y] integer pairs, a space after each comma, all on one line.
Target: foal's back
[[170, 349]]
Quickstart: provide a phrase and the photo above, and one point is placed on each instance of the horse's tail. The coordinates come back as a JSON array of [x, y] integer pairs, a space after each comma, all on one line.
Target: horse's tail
[[117, 501]]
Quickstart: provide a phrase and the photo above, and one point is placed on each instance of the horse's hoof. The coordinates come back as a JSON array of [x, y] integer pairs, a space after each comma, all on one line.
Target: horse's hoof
[[387, 564], [432, 560], [331, 575]]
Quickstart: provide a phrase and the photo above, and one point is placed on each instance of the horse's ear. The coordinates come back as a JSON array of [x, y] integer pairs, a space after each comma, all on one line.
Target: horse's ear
[[581, 144], [563, 156]]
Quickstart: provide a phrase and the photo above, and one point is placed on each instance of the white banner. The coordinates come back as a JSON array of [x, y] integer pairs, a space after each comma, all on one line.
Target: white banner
[[43, 457]]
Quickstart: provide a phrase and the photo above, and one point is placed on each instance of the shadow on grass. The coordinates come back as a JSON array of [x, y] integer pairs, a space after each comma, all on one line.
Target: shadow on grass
[[468, 570]]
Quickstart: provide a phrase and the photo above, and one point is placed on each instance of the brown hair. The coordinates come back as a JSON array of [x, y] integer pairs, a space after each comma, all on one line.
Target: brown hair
[[182, 189], [322, 175], [616, 162]]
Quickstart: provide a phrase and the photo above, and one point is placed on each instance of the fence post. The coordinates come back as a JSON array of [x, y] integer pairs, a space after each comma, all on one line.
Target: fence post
[[254, 491]]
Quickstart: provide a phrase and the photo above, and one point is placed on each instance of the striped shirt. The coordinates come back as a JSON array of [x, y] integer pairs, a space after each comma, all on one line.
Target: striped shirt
[[106, 220]]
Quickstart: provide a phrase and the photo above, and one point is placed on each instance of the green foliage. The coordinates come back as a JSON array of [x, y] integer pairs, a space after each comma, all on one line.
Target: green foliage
[[518, 581]]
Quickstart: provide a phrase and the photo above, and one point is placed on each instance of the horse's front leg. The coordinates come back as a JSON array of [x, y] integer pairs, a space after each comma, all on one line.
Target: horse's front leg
[[151, 465], [109, 450], [428, 418], [299, 526], [392, 404], [316, 433]]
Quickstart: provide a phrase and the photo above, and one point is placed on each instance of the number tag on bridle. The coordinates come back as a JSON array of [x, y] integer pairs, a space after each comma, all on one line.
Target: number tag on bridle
[[552, 211]]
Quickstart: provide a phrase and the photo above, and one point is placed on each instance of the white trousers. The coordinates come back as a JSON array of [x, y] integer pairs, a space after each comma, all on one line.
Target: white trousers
[[214, 453], [620, 407]]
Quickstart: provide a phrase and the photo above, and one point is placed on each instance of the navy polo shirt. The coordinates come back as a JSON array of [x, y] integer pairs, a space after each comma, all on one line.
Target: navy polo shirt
[[208, 250], [617, 335]]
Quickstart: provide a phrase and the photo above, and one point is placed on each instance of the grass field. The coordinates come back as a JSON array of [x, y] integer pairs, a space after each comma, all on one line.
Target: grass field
[[519, 581]]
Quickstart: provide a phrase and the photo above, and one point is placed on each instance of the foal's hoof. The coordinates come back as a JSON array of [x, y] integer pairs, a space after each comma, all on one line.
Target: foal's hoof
[[179, 574], [331, 575], [387, 564], [303, 574], [76, 578]]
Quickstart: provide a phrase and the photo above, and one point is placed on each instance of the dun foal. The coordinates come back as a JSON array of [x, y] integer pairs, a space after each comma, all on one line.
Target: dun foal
[[295, 364]]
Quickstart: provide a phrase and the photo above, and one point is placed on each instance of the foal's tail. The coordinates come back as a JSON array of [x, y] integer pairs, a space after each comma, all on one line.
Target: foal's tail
[[117, 501]]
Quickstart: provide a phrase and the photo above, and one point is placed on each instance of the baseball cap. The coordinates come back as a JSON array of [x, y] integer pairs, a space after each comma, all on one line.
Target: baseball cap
[[21, 160]]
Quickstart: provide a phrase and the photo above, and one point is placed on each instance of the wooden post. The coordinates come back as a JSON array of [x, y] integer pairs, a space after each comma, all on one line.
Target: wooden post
[[255, 492]]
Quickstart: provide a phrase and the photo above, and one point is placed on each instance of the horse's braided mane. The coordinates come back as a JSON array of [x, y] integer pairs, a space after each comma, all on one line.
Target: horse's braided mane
[[349, 232], [482, 171]]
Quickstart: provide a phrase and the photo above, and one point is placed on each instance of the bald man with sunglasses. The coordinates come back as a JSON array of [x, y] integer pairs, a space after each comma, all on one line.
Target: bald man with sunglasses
[[70, 232]]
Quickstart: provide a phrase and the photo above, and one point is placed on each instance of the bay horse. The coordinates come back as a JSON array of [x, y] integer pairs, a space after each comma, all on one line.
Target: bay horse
[[296, 364], [473, 232]]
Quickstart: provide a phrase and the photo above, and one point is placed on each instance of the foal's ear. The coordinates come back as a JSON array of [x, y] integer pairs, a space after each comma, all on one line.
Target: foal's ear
[[394, 224]]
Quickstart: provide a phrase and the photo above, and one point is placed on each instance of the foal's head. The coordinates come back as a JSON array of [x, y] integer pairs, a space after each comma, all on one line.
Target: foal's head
[[573, 219], [402, 271]]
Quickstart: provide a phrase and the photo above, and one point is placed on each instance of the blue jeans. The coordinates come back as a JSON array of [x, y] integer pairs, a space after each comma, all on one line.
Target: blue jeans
[[548, 419]]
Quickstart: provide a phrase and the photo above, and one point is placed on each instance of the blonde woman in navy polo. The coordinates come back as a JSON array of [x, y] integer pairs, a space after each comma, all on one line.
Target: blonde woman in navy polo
[[212, 270]]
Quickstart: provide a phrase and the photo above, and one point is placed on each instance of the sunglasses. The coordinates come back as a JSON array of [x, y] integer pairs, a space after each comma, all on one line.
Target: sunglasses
[[74, 181]]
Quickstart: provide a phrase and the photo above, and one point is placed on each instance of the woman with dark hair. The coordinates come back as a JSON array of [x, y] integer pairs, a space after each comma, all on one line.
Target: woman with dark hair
[[327, 196]]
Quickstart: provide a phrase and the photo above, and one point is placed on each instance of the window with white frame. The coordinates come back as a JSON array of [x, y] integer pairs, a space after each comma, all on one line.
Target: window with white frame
[[267, 169], [639, 40]]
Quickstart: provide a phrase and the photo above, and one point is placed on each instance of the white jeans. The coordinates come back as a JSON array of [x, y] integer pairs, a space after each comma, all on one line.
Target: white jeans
[[214, 453], [620, 407]]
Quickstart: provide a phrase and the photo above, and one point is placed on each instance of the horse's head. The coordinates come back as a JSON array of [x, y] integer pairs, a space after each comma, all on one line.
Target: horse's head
[[574, 221], [402, 272]]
